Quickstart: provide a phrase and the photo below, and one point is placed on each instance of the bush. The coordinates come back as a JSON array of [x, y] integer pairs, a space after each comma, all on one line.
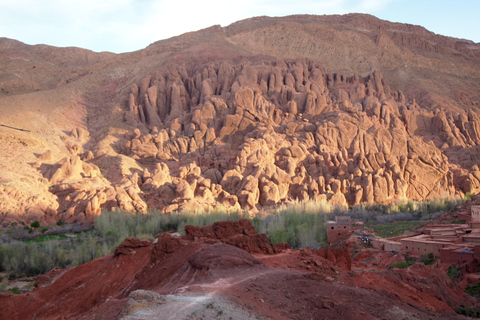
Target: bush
[[3, 284], [401, 265], [35, 224], [454, 273], [428, 260], [15, 290], [468, 196], [473, 290], [469, 312], [409, 260], [300, 225]]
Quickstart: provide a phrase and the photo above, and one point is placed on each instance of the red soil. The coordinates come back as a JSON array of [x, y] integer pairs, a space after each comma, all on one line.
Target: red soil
[[293, 284]]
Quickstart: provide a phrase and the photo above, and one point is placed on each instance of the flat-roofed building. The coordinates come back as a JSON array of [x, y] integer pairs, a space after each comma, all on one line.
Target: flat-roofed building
[[453, 243], [338, 229]]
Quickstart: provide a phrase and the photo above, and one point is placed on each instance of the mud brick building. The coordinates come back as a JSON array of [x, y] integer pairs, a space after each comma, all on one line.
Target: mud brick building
[[452, 243]]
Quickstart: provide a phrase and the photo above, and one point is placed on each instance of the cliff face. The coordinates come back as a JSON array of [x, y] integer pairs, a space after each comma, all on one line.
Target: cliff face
[[422, 64], [347, 109]]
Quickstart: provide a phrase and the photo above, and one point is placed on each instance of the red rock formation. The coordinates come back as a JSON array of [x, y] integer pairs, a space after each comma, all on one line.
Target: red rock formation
[[240, 234], [357, 149], [245, 117]]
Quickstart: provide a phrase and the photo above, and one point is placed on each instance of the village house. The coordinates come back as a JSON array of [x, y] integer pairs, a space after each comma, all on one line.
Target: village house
[[341, 228], [452, 243]]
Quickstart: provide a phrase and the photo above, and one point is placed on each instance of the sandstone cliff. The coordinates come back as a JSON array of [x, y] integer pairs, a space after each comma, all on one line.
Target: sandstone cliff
[[347, 109]]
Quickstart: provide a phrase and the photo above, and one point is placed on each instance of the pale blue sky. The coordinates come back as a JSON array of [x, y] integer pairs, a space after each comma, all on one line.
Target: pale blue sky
[[129, 25]]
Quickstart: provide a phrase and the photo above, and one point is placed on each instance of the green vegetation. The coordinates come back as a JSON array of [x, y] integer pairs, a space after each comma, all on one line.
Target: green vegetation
[[47, 237], [24, 253], [454, 273], [32, 250], [393, 229], [3, 284], [473, 290], [35, 224], [469, 312], [298, 225], [15, 290], [30, 258], [400, 265], [404, 264], [428, 260], [468, 196]]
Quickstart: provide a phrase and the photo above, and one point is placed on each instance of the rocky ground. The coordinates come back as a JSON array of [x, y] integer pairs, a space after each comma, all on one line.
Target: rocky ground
[[228, 270]]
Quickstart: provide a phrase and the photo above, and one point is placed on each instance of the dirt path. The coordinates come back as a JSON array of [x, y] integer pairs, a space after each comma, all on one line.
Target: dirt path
[[196, 301]]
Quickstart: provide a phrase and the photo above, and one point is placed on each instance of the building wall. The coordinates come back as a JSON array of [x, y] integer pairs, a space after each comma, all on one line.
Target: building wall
[[476, 251], [475, 211], [336, 232], [389, 246], [464, 216], [415, 247], [469, 238], [386, 245], [455, 257], [475, 224]]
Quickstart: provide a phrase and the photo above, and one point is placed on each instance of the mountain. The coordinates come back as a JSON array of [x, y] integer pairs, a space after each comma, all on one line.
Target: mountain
[[345, 109]]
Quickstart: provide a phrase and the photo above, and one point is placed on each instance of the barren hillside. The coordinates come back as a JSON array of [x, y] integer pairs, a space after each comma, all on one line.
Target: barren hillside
[[348, 109], [229, 271]]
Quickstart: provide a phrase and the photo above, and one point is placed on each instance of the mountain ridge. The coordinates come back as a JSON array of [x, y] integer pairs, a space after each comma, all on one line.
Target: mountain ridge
[[175, 125]]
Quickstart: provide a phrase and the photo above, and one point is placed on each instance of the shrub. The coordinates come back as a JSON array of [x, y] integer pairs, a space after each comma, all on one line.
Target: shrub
[[469, 312], [401, 265], [428, 260], [3, 284], [15, 290], [35, 224], [468, 196], [473, 290], [299, 225], [454, 273], [409, 260]]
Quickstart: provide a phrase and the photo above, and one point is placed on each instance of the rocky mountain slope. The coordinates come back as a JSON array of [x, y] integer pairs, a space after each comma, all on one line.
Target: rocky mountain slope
[[347, 109]]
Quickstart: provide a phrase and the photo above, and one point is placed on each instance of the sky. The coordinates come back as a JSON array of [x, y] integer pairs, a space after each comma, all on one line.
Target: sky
[[129, 25]]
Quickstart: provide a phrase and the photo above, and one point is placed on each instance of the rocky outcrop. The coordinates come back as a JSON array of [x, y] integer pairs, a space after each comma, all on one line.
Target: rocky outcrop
[[130, 246], [242, 118], [240, 234], [288, 130], [253, 135]]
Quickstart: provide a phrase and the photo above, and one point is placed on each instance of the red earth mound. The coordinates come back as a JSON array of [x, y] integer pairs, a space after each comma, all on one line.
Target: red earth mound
[[143, 279]]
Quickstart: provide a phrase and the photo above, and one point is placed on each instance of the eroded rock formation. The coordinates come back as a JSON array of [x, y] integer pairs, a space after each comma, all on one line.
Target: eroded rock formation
[[219, 118], [259, 134]]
